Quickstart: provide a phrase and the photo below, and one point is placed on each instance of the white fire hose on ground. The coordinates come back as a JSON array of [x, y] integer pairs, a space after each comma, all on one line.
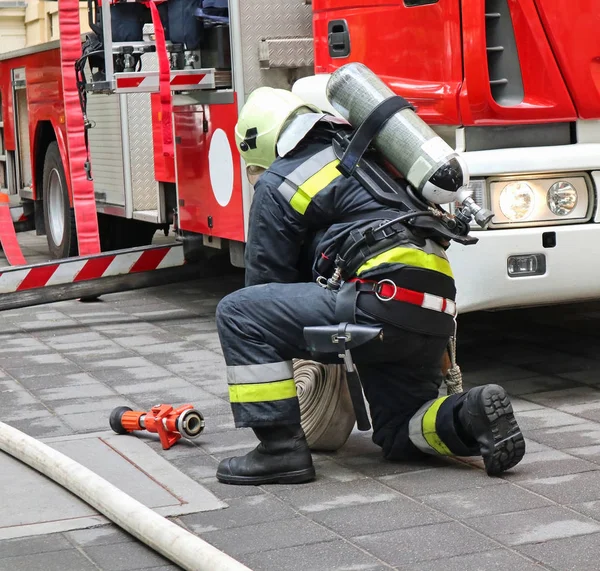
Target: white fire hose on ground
[[167, 538], [327, 415]]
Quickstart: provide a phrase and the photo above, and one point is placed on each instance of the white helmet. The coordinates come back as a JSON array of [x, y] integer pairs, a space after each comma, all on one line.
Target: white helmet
[[262, 119]]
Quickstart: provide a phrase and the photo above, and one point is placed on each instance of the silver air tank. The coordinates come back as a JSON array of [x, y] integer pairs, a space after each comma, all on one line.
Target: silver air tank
[[429, 164]]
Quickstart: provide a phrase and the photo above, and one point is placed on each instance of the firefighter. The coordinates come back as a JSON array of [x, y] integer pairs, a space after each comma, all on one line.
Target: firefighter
[[304, 208]]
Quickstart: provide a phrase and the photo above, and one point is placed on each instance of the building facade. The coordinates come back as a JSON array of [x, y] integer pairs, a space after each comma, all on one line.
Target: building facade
[[32, 22]]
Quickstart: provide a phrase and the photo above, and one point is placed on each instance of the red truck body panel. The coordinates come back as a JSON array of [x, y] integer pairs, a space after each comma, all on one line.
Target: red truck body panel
[[436, 56], [573, 30], [416, 51], [44, 101]]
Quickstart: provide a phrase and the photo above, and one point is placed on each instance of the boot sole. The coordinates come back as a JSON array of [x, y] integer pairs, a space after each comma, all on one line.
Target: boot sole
[[509, 444], [294, 477]]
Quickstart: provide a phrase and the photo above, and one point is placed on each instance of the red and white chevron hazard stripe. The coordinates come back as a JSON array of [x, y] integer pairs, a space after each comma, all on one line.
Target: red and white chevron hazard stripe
[[73, 270], [185, 80]]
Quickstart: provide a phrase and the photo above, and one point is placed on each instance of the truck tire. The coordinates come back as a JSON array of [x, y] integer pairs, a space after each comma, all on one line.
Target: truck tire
[[59, 217]]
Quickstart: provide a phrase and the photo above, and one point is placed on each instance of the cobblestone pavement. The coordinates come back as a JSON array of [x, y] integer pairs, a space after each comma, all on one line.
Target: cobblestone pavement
[[64, 367]]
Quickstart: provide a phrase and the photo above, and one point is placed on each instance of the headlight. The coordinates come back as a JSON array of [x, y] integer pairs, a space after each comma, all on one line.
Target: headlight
[[517, 201], [562, 198], [538, 200]]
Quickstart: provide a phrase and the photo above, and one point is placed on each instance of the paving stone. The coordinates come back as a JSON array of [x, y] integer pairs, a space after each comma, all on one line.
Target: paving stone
[[176, 395], [43, 425], [155, 312], [412, 545], [537, 384], [519, 405], [241, 512], [590, 509], [71, 392], [572, 436], [92, 404], [20, 346], [392, 514], [227, 442], [589, 377], [228, 493], [497, 560], [33, 545], [534, 525], [218, 422], [36, 384], [104, 535], [153, 386], [77, 341], [55, 561], [331, 471], [546, 418], [547, 463], [580, 553], [131, 374], [24, 372], [330, 555], [485, 501], [454, 477], [587, 411], [192, 372], [568, 489], [565, 397], [333, 495], [124, 556], [374, 465], [557, 363], [588, 453], [199, 467], [267, 536], [91, 421], [152, 339], [496, 373]]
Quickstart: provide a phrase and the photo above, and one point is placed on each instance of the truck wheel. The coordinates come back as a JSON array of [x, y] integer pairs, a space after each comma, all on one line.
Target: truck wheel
[[59, 217]]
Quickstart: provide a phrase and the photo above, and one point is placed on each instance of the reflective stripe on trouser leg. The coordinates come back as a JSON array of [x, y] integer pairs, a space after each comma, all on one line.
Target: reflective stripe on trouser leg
[[422, 430], [433, 428], [263, 394]]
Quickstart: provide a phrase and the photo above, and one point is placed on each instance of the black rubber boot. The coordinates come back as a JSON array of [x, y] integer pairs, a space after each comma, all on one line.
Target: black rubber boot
[[487, 417], [282, 457]]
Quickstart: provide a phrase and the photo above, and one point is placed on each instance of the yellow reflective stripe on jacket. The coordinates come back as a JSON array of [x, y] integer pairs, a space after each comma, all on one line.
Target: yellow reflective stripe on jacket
[[429, 431], [410, 257], [317, 182], [263, 392]]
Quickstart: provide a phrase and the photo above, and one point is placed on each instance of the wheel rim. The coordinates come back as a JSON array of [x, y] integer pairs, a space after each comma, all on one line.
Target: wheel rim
[[56, 207]]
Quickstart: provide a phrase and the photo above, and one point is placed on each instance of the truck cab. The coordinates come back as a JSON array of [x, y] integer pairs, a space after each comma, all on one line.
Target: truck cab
[[515, 87]]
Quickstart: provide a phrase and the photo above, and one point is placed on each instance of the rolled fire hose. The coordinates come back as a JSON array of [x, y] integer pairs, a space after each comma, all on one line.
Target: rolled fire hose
[[175, 543], [327, 415], [326, 411]]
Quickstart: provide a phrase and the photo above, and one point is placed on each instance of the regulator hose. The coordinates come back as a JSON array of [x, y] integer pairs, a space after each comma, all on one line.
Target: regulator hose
[[327, 415]]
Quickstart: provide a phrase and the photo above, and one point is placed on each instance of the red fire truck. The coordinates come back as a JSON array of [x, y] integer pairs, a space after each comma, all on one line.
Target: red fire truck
[[514, 85]]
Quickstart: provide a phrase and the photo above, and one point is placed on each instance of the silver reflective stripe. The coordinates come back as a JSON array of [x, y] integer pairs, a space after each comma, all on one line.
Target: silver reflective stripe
[[311, 166], [288, 190], [415, 430], [301, 174], [266, 373]]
